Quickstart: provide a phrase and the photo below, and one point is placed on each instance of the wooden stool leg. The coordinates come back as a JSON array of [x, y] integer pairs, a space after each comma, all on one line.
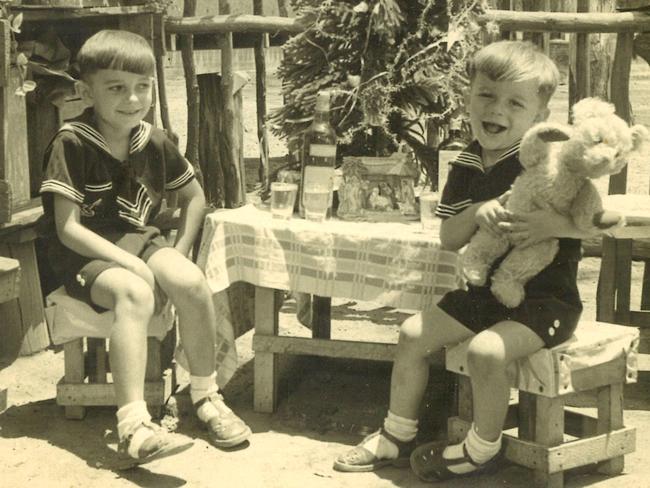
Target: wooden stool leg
[[96, 360], [154, 374], [549, 432], [74, 372], [265, 391], [456, 431], [526, 413], [610, 417]]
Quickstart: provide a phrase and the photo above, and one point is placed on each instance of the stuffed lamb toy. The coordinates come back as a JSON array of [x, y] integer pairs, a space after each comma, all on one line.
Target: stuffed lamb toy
[[559, 163]]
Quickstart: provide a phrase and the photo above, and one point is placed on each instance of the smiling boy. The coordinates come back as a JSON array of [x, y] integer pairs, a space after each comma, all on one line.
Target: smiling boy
[[104, 179], [510, 85]]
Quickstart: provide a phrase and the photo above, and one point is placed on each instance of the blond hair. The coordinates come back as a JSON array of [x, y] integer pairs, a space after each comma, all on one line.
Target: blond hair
[[516, 61]]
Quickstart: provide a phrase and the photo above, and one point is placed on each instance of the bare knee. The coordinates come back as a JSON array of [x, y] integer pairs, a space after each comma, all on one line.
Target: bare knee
[[414, 343], [486, 354], [135, 298], [192, 290]]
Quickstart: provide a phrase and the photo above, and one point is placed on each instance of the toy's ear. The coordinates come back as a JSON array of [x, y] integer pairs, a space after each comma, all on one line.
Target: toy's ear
[[554, 134], [639, 136]]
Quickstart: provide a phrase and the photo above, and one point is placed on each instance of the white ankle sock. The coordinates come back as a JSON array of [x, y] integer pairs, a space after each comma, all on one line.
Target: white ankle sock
[[129, 417], [401, 428], [478, 449], [201, 387]]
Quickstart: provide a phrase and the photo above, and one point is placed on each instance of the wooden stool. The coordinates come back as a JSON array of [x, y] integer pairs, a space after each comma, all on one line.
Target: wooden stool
[[86, 381], [600, 358]]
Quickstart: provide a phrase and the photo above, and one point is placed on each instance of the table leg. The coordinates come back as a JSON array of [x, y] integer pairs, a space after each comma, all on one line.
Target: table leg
[[606, 293], [266, 363], [321, 317]]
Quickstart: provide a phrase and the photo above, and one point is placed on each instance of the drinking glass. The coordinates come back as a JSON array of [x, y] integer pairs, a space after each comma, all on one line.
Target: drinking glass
[[316, 201], [283, 198], [428, 204]]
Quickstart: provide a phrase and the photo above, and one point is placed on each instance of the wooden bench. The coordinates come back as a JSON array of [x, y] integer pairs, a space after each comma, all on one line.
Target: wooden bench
[[599, 359]]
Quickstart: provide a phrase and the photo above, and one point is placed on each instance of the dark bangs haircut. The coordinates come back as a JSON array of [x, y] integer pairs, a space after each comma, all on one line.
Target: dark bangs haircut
[[118, 50]]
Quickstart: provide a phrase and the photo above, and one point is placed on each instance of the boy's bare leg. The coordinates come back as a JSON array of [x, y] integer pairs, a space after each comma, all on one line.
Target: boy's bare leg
[[132, 302], [489, 355], [420, 336], [186, 287]]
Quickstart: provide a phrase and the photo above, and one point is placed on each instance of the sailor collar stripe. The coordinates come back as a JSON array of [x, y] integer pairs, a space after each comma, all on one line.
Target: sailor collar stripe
[[469, 158], [138, 140]]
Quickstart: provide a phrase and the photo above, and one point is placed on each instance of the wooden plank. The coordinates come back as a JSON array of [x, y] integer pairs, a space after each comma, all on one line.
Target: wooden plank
[[610, 417], [5, 52], [571, 454], [606, 293], [549, 431], [567, 21], [14, 153], [74, 372], [24, 329], [219, 24], [323, 347], [97, 394], [266, 361], [623, 279]]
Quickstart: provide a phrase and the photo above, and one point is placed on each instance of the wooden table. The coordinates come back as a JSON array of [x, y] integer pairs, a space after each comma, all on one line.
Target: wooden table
[[392, 264]]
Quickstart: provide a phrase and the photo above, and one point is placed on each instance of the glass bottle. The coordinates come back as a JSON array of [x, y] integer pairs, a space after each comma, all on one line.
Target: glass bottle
[[318, 156], [449, 149]]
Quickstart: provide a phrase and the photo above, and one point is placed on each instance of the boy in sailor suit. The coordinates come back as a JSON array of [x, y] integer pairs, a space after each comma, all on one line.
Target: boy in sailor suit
[[104, 178]]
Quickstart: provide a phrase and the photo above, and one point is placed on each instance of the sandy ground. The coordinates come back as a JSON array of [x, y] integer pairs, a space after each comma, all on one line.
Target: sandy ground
[[326, 405]]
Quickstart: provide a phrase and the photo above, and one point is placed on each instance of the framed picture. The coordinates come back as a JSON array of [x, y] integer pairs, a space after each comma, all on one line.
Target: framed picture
[[378, 188]]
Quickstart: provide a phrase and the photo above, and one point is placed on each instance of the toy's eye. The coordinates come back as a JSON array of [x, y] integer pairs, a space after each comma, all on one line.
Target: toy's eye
[[598, 139]]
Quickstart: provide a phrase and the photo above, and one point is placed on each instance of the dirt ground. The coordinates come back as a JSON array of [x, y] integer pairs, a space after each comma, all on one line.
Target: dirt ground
[[326, 406]]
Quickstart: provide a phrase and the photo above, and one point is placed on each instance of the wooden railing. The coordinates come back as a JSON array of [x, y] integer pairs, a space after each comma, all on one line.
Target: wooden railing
[[624, 24]]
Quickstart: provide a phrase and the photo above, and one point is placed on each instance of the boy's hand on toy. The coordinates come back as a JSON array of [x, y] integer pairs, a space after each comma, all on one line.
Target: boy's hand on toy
[[490, 214], [530, 228]]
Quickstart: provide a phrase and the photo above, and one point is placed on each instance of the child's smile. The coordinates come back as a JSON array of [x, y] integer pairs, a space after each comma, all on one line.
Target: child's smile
[[501, 112]]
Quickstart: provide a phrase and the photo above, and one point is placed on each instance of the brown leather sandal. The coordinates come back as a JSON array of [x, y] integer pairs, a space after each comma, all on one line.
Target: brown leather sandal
[[359, 459]]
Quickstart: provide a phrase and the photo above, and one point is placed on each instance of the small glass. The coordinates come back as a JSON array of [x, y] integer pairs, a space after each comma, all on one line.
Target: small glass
[[428, 205], [283, 198], [316, 201]]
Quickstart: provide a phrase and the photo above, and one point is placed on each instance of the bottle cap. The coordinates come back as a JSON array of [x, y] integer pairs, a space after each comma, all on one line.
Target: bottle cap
[[323, 101]]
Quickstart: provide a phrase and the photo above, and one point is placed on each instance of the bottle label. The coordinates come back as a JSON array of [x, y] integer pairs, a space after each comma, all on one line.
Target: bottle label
[[322, 150], [445, 157]]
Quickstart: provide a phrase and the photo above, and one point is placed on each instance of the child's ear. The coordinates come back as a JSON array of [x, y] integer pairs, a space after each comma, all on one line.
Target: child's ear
[[84, 91]]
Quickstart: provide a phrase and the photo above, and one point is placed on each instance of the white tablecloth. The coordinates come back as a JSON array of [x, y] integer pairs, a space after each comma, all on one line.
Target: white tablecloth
[[392, 264]]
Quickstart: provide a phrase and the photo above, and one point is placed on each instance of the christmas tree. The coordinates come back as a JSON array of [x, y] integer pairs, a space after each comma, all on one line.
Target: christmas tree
[[392, 67]]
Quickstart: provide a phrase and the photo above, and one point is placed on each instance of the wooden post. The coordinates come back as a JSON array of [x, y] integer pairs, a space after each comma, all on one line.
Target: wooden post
[[192, 90], [265, 391], [620, 96], [210, 138], [579, 76], [260, 92]]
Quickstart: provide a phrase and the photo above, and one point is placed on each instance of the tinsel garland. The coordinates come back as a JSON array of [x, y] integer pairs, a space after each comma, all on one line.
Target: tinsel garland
[[389, 64]]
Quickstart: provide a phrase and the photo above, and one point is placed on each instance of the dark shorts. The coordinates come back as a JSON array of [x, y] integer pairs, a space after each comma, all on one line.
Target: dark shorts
[[78, 273], [553, 316]]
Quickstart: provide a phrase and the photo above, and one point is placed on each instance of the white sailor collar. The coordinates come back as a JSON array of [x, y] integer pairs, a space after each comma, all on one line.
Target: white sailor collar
[[471, 156], [85, 126]]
